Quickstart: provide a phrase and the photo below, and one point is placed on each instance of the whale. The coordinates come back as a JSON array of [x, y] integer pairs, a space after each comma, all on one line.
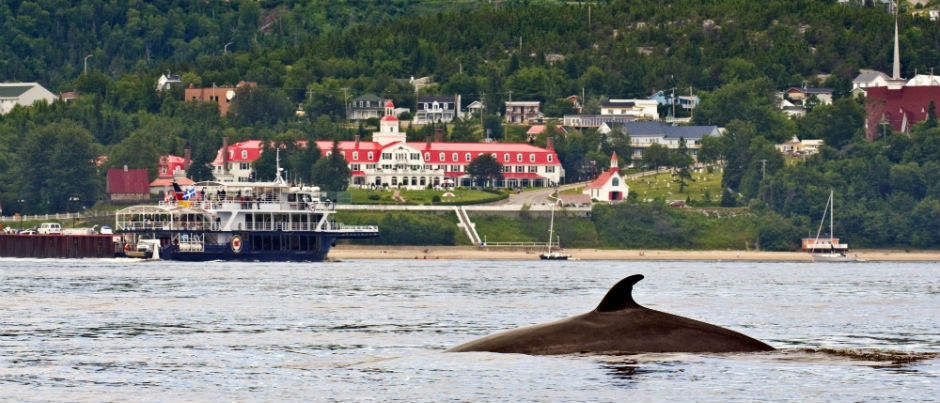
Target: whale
[[618, 326]]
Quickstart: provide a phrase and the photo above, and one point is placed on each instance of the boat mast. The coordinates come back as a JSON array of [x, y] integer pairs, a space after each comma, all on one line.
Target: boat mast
[[551, 228], [831, 211]]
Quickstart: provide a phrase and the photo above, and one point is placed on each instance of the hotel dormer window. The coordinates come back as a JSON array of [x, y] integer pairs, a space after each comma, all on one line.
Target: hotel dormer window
[[549, 158], [467, 157], [355, 155], [371, 156], [518, 157], [531, 157], [244, 153], [453, 157], [506, 157]]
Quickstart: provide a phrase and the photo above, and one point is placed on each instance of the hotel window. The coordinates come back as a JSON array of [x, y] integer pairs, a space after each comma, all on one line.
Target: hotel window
[[506, 157], [443, 157], [534, 169], [520, 168], [550, 158], [415, 156], [371, 156], [531, 157], [453, 157], [244, 153], [354, 167], [427, 156], [549, 169], [355, 155], [467, 157], [386, 156], [518, 157]]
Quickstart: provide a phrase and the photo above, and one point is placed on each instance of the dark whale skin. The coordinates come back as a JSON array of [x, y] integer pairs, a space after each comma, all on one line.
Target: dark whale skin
[[617, 326]]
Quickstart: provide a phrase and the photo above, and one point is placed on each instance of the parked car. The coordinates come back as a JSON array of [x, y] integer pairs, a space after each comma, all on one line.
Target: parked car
[[50, 228]]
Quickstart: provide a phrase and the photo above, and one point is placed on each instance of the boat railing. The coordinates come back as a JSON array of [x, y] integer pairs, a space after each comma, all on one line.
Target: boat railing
[[167, 226]]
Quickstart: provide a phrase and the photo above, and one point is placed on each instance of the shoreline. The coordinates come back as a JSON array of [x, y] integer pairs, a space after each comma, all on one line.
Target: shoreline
[[341, 252]]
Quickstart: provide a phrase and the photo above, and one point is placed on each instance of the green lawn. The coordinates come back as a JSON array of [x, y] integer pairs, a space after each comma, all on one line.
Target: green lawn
[[425, 197], [703, 189]]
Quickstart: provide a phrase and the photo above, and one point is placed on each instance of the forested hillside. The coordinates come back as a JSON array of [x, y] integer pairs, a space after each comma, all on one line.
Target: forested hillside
[[734, 54]]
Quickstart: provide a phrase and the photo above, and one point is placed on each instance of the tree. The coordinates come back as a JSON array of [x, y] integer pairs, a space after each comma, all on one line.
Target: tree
[[332, 173], [484, 169], [656, 156], [57, 165], [682, 162]]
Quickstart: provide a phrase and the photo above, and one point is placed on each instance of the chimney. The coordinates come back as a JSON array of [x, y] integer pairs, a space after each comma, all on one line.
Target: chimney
[[187, 157], [357, 141], [125, 168], [224, 155], [439, 135], [550, 143]]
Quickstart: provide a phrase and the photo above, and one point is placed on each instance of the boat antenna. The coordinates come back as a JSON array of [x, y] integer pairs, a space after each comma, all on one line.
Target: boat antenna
[[277, 162]]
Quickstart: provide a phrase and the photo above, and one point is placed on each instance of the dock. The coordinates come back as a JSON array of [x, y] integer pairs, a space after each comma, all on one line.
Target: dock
[[57, 246]]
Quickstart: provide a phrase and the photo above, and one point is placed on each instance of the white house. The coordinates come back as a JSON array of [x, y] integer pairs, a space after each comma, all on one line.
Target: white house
[[609, 186], [23, 94], [166, 81], [432, 109], [644, 134], [639, 108]]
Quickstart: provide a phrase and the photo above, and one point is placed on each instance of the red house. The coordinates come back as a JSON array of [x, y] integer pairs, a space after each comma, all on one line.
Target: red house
[[128, 185]]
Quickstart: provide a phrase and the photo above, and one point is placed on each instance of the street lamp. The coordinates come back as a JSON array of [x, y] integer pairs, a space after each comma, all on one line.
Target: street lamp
[[73, 200], [21, 211], [86, 64], [225, 48]]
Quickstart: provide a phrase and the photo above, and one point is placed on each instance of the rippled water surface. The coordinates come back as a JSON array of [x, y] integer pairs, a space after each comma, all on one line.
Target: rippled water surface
[[375, 330]]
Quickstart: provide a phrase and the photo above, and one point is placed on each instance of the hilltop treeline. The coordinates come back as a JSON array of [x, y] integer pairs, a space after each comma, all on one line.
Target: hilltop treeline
[[318, 55]]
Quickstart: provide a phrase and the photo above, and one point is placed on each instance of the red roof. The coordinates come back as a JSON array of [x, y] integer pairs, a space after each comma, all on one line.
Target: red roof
[[443, 153], [389, 118], [602, 179], [128, 181], [172, 164], [245, 151]]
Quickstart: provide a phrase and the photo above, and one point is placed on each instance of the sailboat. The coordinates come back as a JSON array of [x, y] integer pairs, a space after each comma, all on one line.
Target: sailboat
[[550, 253], [830, 250]]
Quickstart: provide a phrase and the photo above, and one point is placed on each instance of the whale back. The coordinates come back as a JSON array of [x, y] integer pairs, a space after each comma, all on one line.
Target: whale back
[[617, 326]]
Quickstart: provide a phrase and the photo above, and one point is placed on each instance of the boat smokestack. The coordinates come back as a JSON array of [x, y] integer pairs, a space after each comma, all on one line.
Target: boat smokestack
[[225, 155]]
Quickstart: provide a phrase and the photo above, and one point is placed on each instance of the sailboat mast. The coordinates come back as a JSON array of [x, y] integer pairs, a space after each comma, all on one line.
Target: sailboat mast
[[551, 228], [831, 210]]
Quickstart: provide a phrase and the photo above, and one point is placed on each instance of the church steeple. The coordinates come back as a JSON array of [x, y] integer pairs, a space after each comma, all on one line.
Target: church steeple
[[896, 73]]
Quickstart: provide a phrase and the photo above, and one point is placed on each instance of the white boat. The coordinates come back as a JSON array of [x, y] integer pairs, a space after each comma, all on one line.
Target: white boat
[[551, 252], [246, 221], [829, 250]]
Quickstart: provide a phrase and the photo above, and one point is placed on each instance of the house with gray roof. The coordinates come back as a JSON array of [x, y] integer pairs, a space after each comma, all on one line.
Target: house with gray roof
[[644, 134], [366, 106], [23, 94]]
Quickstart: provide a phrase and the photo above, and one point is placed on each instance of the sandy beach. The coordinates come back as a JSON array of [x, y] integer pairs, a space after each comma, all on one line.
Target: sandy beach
[[341, 252]]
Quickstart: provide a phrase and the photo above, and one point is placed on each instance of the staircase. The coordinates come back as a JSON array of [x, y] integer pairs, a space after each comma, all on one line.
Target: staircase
[[467, 226]]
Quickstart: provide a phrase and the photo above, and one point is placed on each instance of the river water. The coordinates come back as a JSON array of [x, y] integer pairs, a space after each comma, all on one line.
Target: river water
[[375, 330]]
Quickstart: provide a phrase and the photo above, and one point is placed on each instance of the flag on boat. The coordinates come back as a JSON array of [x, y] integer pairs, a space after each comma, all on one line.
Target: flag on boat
[[191, 193]]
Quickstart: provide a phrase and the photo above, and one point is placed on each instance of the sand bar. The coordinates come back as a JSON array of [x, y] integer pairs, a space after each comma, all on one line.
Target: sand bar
[[341, 252]]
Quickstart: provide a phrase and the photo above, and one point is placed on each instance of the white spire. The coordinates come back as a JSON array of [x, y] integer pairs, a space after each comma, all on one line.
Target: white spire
[[896, 73]]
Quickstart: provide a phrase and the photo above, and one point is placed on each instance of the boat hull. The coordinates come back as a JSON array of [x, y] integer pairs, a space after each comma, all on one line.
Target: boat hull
[[834, 257]]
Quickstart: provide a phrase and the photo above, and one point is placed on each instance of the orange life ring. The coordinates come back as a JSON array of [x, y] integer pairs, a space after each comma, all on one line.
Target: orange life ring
[[236, 244], [127, 247]]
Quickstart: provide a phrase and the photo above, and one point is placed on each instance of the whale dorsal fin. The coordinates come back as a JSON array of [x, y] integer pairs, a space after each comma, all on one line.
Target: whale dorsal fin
[[620, 295]]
